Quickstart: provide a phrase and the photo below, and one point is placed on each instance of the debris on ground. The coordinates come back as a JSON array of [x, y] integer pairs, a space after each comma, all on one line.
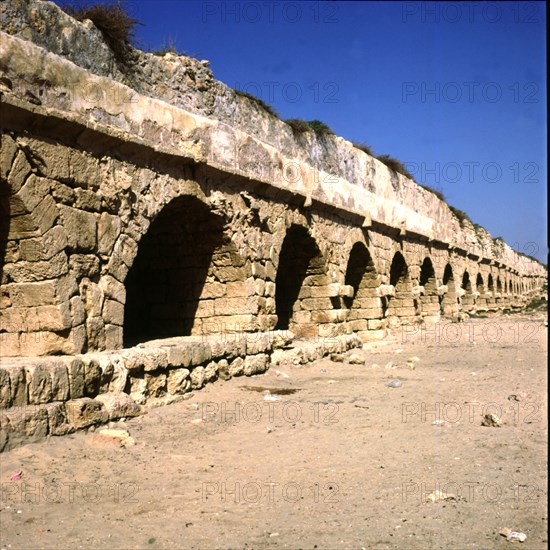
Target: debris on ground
[[281, 374], [438, 423], [355, 359], [513, 536], [395, 383], [16, 476], [411, 365], [440, 495], [390, 365], [337, 357], [122, 436], [491, 421]]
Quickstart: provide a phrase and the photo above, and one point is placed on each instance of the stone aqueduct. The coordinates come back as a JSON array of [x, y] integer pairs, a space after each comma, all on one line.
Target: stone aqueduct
[[161, 204]]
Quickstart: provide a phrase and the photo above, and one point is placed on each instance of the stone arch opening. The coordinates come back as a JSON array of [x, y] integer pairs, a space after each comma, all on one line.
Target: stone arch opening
[[401, 305], [179, 277], [301, 294], [481, 300], [429, 301], [449, 300], [468, 300], [365, 304]]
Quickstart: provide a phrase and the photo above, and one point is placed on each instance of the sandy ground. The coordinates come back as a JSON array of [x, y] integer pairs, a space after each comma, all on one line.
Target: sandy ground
[[344, 462]]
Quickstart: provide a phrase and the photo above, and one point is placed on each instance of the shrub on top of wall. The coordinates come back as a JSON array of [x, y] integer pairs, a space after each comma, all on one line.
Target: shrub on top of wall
[[114, 22]]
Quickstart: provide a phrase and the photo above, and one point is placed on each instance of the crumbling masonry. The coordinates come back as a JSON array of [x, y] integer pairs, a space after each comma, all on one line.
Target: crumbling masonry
[[144, 212]]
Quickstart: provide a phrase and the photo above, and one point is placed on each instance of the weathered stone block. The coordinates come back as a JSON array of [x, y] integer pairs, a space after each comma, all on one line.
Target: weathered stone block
[[113, 312], [178, 381], [84, 265], [19, 171], [32, 193], [60, 381], [119, 405], [85, 412], [236, 367], [81, 228], [255, 364], [211, 371], [39, 383], [7, 154], [113, 288], [108, 231]]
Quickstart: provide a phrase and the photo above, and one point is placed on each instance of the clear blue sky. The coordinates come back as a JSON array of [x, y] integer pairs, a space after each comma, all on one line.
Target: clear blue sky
[[456, 91]]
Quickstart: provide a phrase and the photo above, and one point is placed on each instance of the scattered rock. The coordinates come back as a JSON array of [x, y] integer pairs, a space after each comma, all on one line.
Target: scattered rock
[[414, 359], [491, 421], [336, 357], [514, 397], [355, 359], [439, 423], [395, 383], [119, 436], [513, 536], [410, 365], [281, 374], [440, 495], [390, 365]]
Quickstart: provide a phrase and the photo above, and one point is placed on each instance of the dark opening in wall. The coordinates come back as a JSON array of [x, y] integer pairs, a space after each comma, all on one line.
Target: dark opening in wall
[[402, 304], [429, 300], [468, 298], [300, 265], [490, 284], [164, 285], [449, 303], [361, 275], [480, 287]]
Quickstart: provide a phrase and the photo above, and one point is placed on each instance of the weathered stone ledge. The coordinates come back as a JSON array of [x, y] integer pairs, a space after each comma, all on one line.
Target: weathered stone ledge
[[56, 395]]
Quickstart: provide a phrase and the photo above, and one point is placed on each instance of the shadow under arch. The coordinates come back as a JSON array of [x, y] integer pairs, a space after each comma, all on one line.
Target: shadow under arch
[[468, 300], [165, 283], [301, 265], [401, 305], [449, 303], [361, 275], [429, 301]]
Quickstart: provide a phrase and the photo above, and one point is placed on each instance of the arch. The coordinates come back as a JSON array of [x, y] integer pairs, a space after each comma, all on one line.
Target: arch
[[429, 301], [401, 305], [449, 301], [182, 272], [468, 299], [481, 300], [361, 274], [301, 293]]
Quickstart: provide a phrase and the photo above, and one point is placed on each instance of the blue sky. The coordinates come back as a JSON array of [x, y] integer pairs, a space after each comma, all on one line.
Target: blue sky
[[456, 91]]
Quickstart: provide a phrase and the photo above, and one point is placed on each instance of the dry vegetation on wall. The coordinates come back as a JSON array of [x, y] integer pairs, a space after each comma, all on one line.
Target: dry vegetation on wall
[[299, 126], [114, 22]]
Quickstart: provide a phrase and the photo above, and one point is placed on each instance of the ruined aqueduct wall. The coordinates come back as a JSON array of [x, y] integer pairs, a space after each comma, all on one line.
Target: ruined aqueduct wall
[[160, 203]]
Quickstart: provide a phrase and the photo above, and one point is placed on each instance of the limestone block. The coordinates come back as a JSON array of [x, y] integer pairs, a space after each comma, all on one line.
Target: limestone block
[[223, 369], [39, 383], [75, 372], [78, 313], [31, 194], [211, 372], [255, 364], [155, 383], [178, 381], [54, 318], [257, 342], [385, 290], [236, 367], [21, 272], [113, 288], [32, 294], [442, 290], [84, 265], [60, 380], [347, 291], [200, 353], [29, 421], [113, 337], [81, 228], [46, 214], [108, 231], [58, 423], [118, 405], [5, 388], [85, 412], [87, 200], [7, 155], [92, 375], [126, 249], [197, 377], [375, 324], [113, 312], [19, 171]]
